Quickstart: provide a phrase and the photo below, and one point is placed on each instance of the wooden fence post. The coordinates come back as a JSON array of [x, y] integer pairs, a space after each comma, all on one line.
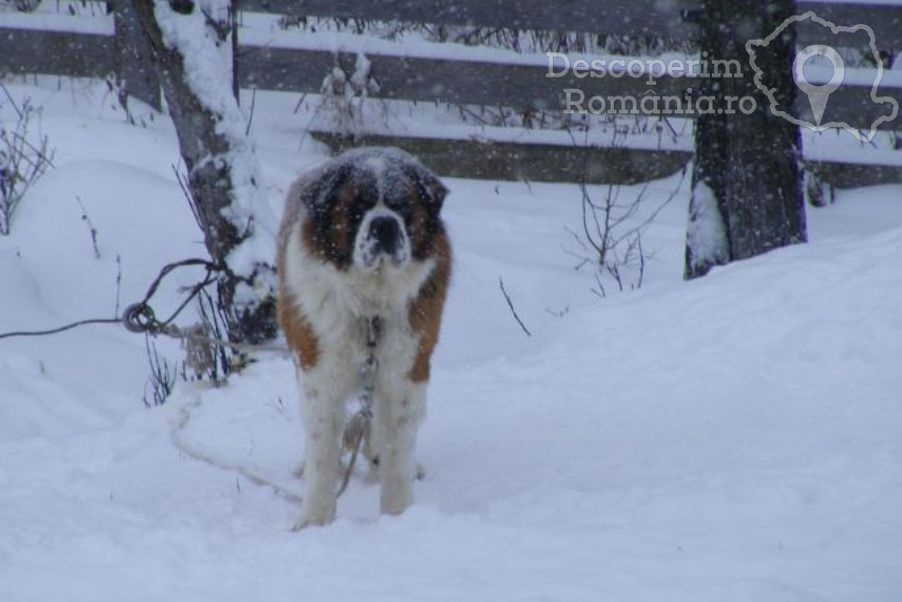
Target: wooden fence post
[[135, 68]]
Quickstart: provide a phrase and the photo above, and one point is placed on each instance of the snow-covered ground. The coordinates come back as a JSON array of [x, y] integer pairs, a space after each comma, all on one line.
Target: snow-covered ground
[[737, 438]]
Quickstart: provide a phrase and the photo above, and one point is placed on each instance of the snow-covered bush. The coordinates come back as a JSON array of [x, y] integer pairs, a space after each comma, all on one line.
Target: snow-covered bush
[[24, 158], [611, 237], [818, 192], [343, 95]]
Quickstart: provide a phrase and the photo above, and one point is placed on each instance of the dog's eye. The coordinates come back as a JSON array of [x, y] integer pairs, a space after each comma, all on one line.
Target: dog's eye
[[400, 206], [357, 210]]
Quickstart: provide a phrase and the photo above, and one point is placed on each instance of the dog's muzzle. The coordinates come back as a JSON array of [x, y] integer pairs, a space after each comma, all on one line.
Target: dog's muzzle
[[381, 236], [385, 232]]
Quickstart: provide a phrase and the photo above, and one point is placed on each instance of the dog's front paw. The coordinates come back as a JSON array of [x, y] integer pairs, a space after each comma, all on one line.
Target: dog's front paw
[[312, 520], [316, 513], [396, 497], [303, 523]]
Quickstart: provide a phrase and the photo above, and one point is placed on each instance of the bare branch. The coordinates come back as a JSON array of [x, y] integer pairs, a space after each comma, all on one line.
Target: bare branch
[[510, 304]]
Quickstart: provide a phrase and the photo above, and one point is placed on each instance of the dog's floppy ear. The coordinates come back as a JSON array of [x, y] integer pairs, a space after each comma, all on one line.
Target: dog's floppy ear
[[327, 187], [329, 212], [432, 190]]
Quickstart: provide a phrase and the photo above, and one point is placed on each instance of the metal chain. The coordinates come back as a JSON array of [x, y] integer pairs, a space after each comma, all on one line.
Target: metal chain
[[140, 318], [40, 333], [359, 429], [177, 333]]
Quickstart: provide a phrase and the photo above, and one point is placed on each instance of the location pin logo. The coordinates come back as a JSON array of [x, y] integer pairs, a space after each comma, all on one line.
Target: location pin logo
[[818, 94]]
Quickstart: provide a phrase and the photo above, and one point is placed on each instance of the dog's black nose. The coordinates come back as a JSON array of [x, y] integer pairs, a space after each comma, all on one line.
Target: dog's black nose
[[386, 231]]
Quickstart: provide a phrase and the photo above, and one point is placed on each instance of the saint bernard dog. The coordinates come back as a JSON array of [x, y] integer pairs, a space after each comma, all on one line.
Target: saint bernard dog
[[362, 243]]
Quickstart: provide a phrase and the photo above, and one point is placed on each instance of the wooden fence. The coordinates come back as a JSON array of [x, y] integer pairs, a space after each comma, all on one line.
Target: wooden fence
[[458, 80]]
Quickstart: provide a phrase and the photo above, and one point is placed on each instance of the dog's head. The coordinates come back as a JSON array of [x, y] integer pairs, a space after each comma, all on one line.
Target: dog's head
[[375, 209]]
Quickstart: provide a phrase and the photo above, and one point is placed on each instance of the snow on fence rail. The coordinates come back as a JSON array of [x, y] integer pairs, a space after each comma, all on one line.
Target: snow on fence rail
[[36, 44], [667, 18]]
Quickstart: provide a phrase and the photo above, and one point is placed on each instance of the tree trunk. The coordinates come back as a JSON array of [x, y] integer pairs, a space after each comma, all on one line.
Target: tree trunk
[[747, 195], [211, 142]]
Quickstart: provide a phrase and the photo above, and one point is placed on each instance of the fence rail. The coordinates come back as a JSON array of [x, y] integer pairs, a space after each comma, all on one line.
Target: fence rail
[[664, 18], [56, 52], [458, 80], [566, 15]]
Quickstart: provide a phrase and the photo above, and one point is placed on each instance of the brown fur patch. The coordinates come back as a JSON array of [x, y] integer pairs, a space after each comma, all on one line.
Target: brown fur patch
[[420, 237], [308, 239], [425, 312], [329, 236], [339, 239], [298, 333]]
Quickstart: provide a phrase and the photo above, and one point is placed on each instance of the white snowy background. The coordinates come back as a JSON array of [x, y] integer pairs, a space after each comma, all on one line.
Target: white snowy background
[[737, 438]]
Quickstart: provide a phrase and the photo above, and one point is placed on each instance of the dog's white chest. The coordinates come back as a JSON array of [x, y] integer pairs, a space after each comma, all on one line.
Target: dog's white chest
[[339, 303]]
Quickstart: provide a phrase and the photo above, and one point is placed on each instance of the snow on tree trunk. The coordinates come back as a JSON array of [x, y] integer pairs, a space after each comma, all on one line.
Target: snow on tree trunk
[[192, 48], [747, 195], [707, 243]]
